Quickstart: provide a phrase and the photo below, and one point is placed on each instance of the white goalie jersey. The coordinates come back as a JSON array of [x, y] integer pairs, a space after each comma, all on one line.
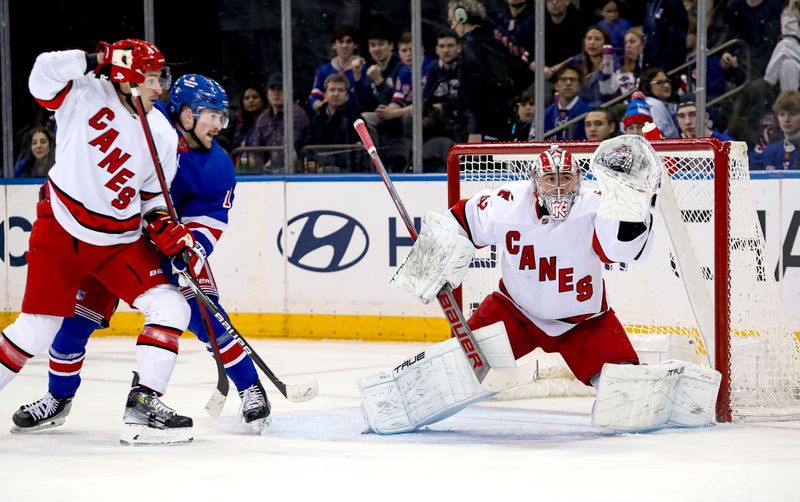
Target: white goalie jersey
[[552, 270], [103, 179]]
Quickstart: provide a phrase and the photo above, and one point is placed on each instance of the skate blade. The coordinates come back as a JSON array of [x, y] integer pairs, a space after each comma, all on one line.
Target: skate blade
[[141, 435], [50, 424], [259, 426]]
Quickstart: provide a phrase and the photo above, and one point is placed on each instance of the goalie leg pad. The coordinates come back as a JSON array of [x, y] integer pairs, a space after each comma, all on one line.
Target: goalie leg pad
[[634, 397], [695, 396], [431, 385]]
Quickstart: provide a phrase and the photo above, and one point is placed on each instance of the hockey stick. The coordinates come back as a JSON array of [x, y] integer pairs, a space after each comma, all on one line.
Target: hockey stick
[[294, 393], [217, 400], [492, 379]]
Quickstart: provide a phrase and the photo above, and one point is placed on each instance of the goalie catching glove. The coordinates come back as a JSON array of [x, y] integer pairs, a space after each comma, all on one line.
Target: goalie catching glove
[[628, 171], [440, 255]]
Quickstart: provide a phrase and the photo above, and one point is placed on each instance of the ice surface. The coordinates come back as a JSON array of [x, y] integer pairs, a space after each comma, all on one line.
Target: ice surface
[[536, 450]]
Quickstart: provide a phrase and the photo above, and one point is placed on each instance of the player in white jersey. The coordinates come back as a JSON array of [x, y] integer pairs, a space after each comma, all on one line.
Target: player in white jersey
[[555, 236], [90, 218]]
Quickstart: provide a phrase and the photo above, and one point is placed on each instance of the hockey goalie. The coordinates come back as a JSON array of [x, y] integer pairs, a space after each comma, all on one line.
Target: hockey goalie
[[555, 237]]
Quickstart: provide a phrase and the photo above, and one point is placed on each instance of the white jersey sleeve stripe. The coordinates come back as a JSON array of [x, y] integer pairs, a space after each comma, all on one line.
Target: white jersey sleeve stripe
[[206, 232]]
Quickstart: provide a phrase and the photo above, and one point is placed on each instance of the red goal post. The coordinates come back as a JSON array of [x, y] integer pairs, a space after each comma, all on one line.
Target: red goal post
[[668, 314]]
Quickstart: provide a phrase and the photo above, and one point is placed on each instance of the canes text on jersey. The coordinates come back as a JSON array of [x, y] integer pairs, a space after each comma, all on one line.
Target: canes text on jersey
[[548, 268], [114, 159]]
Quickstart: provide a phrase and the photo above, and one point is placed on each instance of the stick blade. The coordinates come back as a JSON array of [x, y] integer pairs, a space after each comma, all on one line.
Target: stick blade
[[302, 392], [216, 403]]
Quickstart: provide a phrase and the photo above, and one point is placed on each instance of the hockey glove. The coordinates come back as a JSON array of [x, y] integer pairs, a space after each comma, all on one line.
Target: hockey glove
[[197, 258], [120, 56], [628, 172], [168, 236]]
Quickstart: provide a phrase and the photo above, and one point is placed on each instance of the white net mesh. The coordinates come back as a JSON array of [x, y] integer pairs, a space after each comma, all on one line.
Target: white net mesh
[[650, 297]]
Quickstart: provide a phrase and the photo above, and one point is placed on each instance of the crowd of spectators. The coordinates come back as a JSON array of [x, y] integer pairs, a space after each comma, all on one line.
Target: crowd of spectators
[[628, 68]]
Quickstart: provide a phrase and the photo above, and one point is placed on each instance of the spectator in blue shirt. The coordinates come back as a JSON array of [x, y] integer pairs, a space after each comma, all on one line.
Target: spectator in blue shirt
[[665, 27], [687, 122], [615, 26], [753, 120], [344, 63], [568, 105], [515, 27], [443, 113], [782, 154]]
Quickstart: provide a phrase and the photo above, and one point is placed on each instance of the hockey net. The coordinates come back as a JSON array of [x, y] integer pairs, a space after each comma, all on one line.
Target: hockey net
[[745, 337]]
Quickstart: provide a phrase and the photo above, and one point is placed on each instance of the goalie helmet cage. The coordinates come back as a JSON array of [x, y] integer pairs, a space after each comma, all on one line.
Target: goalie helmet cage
[[757, 354]]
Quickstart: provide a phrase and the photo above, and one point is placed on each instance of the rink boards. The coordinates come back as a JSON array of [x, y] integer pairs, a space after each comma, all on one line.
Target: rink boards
[[311, 256]]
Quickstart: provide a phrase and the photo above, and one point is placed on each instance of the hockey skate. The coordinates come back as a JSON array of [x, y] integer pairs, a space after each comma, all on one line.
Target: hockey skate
[[44, 413], [255, 408], [149, 421]]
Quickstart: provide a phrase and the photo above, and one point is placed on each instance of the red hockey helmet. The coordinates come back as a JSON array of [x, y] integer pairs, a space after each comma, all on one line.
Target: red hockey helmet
[[143, 57], [556, 179]]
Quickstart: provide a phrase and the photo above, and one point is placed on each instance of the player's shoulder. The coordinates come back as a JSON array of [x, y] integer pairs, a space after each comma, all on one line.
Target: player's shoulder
[[220, 165], [506, 199], [89, 92], [586, 202], [404, 72], [162, 107], [515, 192], [161, 125], [325, 69], [220, 158]]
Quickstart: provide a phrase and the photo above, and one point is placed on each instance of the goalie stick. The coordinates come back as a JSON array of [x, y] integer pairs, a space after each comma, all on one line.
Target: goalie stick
[[294, 393], [217, 400], [491, 378]]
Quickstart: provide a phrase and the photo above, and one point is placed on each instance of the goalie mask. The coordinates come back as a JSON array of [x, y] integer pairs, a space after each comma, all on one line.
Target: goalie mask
[[555, 179]]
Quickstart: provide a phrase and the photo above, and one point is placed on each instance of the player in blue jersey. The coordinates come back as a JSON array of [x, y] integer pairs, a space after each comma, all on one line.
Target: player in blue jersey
[[202, 192]]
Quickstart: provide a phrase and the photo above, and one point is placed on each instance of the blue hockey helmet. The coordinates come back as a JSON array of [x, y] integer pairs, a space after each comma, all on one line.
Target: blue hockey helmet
[[198, 93]]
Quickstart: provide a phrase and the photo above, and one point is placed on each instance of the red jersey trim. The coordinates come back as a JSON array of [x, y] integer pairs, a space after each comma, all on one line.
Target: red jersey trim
[[55, 103], [459, 211], [95, 221], [576, 319], [58, 366], [599, 249], [162, 337], [148, 195], [216, 232]]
